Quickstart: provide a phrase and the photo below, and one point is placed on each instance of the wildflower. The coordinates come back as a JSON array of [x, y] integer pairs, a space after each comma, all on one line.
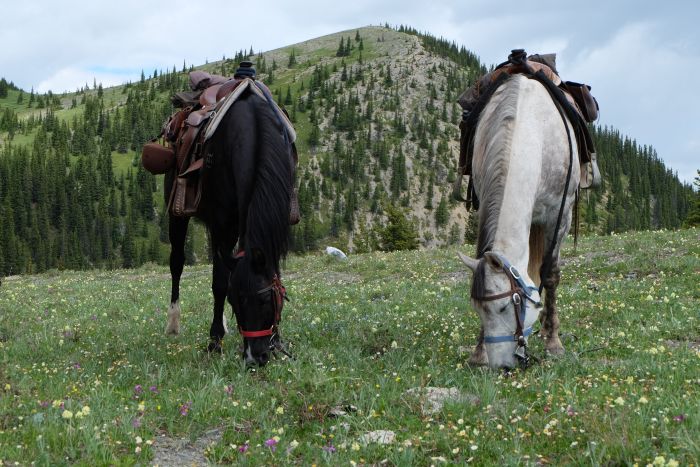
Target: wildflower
[[279, 410], [67, 414], [455, 451], [185, 408], [243, 448], [679, 418], [138, 449], [355, 447], [271, 443], [139, 440], [136, 423], [643, 400], [142, 406], [659, 460], [229, 389], [329, 448], [153, 389], [57, 404], [620, 401]]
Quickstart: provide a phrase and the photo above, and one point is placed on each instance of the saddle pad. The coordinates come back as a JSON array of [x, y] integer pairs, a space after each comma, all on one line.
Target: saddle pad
[[220, 112]]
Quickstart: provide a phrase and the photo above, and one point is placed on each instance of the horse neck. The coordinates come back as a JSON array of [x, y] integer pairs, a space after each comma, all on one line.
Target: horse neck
[[509, 166]]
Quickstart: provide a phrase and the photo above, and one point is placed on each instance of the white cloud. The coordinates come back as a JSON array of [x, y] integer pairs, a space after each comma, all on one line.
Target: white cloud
[[67, 79], [640, 57]]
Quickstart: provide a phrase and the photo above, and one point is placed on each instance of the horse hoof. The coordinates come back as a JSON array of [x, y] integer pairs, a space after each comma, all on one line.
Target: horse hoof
[[215, 346], [555, 350], [478, 359]]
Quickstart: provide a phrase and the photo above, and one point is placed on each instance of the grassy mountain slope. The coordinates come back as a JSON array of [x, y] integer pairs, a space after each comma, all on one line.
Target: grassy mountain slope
[[364, 332]]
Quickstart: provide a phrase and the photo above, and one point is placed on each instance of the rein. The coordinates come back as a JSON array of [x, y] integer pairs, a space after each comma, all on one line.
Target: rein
[[520, 293]]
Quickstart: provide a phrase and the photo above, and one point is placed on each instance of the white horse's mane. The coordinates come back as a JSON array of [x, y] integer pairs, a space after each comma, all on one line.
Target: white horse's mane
[[495, 144]]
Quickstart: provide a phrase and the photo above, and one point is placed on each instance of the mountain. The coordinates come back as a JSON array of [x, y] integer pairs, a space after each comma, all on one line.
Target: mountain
[[376, 116]]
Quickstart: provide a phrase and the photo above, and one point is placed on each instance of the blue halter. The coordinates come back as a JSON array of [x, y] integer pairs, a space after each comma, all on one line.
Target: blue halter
[[520, 293]]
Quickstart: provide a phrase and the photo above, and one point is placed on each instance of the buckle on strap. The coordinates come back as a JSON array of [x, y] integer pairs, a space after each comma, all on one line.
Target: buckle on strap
[[516, 298], [514, 272]]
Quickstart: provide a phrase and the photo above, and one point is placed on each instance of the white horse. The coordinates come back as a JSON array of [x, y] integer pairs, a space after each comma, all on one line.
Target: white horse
[[523, 156]]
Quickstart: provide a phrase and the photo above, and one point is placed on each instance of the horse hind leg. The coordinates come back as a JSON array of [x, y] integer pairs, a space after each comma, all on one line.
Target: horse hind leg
[[550, 318], [177, 230], [479, 356]]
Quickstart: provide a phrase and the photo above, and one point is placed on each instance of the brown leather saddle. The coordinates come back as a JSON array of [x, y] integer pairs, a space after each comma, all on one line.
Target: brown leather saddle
[[569, 95], [185, 133]]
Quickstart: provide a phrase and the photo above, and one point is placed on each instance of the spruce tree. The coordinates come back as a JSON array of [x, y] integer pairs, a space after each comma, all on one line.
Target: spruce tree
[[398, 233]]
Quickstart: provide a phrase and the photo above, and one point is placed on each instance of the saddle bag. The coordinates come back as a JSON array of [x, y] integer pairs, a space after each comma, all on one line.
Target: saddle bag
[[187, 191], [157, 158], [584, 99]]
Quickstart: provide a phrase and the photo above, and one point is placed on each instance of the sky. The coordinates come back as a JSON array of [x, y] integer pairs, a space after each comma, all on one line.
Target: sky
[[641, 58]]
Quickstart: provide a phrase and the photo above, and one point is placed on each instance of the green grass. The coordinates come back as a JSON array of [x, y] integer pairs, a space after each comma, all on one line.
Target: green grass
[[364, 331]]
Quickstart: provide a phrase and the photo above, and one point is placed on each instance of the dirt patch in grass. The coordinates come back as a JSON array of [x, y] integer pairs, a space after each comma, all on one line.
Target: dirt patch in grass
[[183, 452], [692, 344]]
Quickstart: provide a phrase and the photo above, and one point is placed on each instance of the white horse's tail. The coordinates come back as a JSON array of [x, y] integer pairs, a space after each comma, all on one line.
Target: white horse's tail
[[536, 253]]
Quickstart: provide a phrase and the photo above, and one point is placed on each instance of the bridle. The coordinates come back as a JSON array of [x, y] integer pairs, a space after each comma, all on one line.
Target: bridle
[[278, 295], [520, 293]]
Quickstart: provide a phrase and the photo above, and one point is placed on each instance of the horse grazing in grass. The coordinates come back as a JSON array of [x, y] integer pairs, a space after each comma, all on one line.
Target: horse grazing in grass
[[526, 180], [247, 186]]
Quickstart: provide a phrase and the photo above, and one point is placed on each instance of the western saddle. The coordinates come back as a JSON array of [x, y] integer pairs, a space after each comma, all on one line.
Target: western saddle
[[187, 130], [575, 100]]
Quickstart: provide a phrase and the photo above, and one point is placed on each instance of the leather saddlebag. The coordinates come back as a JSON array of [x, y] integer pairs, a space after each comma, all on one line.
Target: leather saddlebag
[[157, 158], [187, 191], [585, 100]]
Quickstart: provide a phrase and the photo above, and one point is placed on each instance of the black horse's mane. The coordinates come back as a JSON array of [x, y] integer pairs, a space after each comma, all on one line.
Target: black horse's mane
[[253, 166], [267, 225]]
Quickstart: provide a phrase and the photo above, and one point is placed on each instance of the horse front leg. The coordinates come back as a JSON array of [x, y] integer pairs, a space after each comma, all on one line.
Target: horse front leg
[[479, 356], [177, 229], [219, 288], [550, 318]]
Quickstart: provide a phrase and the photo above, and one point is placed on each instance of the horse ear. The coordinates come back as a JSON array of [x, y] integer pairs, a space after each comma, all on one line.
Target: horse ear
[[470, 262]]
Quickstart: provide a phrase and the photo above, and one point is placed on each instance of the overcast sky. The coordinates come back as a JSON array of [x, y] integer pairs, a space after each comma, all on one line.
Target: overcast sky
[[642, 58]]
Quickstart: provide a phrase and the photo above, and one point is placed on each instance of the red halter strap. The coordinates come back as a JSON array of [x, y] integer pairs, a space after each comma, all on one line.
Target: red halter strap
[[279, 293]]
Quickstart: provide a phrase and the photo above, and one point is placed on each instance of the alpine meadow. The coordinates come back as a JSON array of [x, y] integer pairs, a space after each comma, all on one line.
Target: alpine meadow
[[379, 342]]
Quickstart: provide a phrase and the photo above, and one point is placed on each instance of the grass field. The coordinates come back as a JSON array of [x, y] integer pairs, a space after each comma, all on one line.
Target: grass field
[[88, 378]]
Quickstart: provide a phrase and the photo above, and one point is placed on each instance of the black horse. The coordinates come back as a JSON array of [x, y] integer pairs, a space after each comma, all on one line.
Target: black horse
[[246, 194]]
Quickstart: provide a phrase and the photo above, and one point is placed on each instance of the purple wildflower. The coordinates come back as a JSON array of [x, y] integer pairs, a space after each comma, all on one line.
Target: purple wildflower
[[138, 389], [329, 448], [136, 422], [185, 408], [679, 418], [243, 448], [153, 389], [271, 443]]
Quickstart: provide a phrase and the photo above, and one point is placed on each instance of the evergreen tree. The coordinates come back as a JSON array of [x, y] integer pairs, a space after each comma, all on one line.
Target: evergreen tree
[[693, 218], [442, 215], [398, 233]]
